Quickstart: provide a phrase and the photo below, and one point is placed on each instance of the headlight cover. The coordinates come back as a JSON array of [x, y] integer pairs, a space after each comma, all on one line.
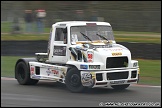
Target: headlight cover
[[135, 64]]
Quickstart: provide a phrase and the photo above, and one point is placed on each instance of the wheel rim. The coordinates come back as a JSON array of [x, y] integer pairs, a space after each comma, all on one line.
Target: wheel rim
[[74, 80], [21, 73]]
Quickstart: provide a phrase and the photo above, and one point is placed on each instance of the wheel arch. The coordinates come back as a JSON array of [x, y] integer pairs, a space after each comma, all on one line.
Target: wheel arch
[[26, 61], [70, 66]]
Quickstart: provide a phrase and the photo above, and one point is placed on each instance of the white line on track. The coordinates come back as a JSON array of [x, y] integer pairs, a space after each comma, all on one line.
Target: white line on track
[[7, 78], [139, 85]]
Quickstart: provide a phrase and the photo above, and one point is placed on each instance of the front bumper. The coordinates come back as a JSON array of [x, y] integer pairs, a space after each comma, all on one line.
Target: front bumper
[[94, 79]]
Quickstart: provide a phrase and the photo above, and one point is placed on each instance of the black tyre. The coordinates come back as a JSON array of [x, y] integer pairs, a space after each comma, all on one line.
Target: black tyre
[[73, 80], [23, 74], [120, 87]]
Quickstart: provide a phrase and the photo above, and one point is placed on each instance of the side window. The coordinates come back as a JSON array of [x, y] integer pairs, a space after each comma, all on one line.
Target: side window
[[59, 35]]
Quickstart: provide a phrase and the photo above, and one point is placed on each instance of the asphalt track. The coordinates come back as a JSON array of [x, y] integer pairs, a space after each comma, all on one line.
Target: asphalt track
[[51, 94]]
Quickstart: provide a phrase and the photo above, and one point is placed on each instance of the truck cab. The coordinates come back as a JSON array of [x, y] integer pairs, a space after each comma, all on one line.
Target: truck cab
[[81, 54]]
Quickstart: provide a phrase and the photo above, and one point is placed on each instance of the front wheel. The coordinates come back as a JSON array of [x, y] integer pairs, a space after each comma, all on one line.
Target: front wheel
[[73, 80], [120, 87], [23, 75]]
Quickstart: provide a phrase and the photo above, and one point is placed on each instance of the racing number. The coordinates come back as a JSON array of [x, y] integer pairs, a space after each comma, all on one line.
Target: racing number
[[90, 56]]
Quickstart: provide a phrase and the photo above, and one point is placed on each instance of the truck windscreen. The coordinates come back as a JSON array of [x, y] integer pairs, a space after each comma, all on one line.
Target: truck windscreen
[[92, 32]]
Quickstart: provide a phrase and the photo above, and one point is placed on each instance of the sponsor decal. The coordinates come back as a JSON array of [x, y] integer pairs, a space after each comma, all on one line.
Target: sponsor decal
[[93, 74], [138, 70], [48, 71], [115, 49], [46, 66], [102, 46], [55, 72], [116, 54], [82, 66], [62, 73], [117, 82], [35, 76], [84, 57], [90, 56], [94, 66], [87, 79], [59, 50], [86, 76]]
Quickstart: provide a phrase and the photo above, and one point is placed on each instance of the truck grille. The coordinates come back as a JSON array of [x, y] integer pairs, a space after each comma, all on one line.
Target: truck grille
[[117, 75], [116, 62], [99, 77]]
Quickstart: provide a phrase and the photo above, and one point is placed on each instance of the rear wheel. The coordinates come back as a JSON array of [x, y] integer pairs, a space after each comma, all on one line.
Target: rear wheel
[[73, 80], [120, 87], [23, 75]]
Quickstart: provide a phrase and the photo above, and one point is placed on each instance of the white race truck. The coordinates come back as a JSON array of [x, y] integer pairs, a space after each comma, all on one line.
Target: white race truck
[[80, 54]]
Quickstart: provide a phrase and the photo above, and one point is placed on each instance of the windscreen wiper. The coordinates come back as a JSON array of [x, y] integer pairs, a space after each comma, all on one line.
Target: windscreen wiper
[[102, 37], [85, 36]]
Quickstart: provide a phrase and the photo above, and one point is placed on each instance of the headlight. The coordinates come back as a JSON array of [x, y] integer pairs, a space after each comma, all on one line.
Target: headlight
[[135, 64]]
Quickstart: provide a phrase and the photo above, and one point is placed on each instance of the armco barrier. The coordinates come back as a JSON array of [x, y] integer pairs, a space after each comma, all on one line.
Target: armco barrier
[[29, 48]]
